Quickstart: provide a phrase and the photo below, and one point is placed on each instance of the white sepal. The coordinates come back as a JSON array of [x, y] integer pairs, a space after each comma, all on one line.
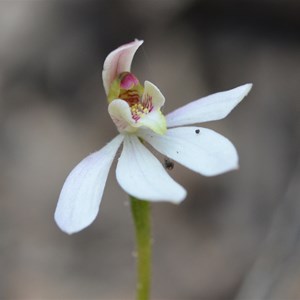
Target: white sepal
[[80, 198], [141, 175], [213, 107], [199, 149]]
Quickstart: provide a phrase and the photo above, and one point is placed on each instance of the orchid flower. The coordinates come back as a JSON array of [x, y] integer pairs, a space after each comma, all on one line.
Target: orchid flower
[[136, 111]]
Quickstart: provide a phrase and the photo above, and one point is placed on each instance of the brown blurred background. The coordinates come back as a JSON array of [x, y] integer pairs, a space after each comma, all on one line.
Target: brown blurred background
[[236, 236]]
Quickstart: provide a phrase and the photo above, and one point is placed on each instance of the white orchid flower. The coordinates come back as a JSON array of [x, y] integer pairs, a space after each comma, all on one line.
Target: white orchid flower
[[135, 110]]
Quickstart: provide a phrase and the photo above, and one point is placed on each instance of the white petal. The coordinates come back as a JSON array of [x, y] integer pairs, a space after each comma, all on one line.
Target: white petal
[[79, 200], [210, 108], [154, 120], [120, 113], [118, 61], [141, 175], [152, 91], [205, 152]]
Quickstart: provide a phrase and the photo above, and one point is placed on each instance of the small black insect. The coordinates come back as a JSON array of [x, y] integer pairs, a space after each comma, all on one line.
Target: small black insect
[[197, 131], [168, 163]]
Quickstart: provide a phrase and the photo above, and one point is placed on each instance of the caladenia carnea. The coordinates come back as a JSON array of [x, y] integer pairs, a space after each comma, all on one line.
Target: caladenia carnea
[[135, 109]]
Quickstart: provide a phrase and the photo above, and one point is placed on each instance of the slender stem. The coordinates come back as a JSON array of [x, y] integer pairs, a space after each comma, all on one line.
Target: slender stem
[[142, 222]]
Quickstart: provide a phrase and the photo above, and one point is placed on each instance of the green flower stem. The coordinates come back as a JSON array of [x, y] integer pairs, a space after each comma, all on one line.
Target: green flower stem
[[142, 222]]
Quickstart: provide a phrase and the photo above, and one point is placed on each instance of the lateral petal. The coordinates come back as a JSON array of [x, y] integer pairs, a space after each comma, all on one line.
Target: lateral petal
[[118, 61], [199, 149], [141, 175], [213, 107], [79, 200], [153, 99], [120, 113], [152, 91]]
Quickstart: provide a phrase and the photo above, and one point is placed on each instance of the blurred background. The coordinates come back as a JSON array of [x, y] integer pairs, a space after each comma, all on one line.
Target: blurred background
[[236, 236]]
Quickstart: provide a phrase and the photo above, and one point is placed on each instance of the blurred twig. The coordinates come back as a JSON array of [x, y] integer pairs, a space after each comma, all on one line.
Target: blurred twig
[[276, 271]]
